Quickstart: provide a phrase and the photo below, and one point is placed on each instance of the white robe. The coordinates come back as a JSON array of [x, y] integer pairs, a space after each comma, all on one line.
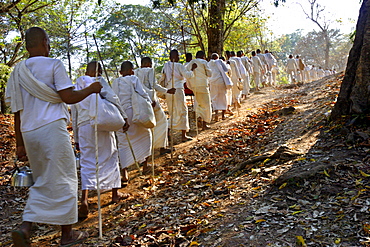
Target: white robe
[[292, 68], [235, 78], [257, 69], [200, 86], [109, 172], [140, 138], [247, 76], [146, 77], [174, 75], [218, 88], [53, 197]]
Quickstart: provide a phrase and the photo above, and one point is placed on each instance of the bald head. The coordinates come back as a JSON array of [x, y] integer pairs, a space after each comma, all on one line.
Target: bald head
[[174, 56], [146, 62], [127, 68], [35, 36], [37, 42], [93, 69]]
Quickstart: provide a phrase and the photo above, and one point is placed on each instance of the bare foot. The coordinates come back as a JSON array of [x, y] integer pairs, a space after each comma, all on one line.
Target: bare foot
[[119, 197], [186, 138], [75, 238], [83, 211]]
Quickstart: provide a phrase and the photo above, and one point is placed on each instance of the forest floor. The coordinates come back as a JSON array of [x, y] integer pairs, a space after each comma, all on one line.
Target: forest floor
[[278, 173]]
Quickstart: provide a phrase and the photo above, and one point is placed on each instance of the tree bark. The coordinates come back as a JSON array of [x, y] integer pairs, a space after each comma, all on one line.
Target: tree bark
[[354, 94], [216, 27]]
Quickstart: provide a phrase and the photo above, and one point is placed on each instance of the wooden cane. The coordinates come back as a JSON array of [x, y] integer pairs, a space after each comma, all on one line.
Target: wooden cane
[[133, 154], [97, 160], [97, 49], [172, 100]]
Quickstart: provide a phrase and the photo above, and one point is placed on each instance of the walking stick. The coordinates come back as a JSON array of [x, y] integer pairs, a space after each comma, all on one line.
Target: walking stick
[[152, 130], [133, 154], [172, 100], [196, 119], [97, 161], [97, 49]]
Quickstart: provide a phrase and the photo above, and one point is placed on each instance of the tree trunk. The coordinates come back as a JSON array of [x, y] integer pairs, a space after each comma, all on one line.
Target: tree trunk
[[216, 27], [327, 48], [354, 94], [2, 102]]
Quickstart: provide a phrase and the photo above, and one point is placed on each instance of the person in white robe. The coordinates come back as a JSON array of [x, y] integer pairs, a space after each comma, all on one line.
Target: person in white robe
[[173, 75], [230, 89], [236, 78], [264, 67], [313, 73], [138, 136], [37, 92], [247, 75], [292, 69], [146, 76], [320, 73], [257, 69], [306, 72], [270, 61], [84, 135], [200, 86], [301, 67], [219, 83]]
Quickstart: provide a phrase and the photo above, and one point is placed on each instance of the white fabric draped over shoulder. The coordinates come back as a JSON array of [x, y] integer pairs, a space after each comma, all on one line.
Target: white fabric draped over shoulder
[[139, 137], [84, 132], [200, 86], [146, 77]]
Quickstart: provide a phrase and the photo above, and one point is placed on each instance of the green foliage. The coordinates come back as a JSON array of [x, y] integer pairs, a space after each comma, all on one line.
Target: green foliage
[[5, 71], [132, 32], [247, 34]]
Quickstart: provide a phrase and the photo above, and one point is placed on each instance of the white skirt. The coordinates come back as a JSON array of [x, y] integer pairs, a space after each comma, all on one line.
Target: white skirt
[[140, 139], [53, 197], [109, 172]]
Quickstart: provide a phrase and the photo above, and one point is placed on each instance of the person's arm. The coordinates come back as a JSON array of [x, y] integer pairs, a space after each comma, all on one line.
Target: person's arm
[[71, 96], [187, 73], [208, 70], [21, 150]]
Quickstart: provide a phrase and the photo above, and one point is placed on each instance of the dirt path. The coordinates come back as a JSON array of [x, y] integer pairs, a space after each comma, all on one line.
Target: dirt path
[[313, 193]]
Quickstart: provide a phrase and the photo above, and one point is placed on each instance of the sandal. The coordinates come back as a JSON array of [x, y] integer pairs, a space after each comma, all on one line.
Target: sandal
[[81, 236], [20, 239]]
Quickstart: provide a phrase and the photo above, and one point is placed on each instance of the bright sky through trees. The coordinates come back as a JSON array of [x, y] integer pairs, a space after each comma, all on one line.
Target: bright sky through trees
[[289, 17]]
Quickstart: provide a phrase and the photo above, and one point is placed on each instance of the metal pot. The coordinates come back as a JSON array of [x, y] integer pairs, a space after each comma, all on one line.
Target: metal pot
[[22, 177]]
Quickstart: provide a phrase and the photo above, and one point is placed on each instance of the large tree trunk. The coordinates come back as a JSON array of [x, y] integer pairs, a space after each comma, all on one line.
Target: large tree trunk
[[354, 94], [216, 27]]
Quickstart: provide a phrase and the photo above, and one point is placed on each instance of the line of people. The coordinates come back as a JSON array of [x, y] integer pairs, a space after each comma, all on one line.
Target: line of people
[[39, 90], [299, 72]]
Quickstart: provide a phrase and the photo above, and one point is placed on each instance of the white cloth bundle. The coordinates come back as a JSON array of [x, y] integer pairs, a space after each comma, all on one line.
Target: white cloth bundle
[[107, 115]]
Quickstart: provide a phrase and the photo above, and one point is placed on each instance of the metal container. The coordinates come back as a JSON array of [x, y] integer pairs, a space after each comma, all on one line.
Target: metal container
[[78, 160], [22, 177]]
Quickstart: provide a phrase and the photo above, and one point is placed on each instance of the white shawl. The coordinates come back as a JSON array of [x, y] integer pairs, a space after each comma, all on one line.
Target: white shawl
[[22, 76]]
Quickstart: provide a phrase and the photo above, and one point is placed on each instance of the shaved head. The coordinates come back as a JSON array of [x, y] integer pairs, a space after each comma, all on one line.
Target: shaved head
[[146, 61], [126, 66], [174, 55], [92, 69], [34, 37]]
